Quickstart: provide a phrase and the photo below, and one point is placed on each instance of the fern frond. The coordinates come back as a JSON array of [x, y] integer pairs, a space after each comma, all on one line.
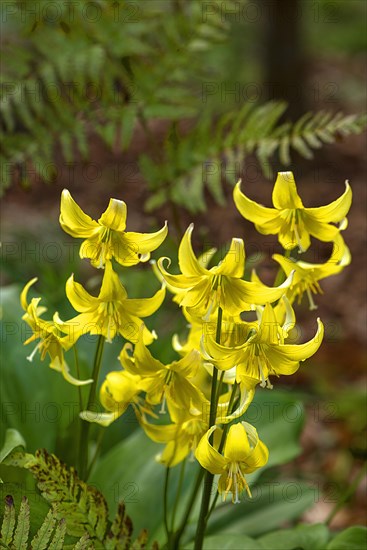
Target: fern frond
[[78, 509]]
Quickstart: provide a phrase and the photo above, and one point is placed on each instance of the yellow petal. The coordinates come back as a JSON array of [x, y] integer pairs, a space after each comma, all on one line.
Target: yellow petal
[[160, 433], [112, 289], [237, 447], [114, 217], [285, 192], [188, 365], [322, 231], [189, 264], [143, 307], [255, 212], [102, 418], [208, 457], [335, 211], [233, 264], [79, 298], [299, 352], [269, 326], [136, 247], [176, 281], [73, 220], [24, 293]]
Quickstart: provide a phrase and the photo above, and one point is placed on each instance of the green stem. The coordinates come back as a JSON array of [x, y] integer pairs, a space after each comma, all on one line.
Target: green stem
[[208, 480], [178, 493], [100, 436], [165, 506], [84, 436], [348, 493], [190, 504]]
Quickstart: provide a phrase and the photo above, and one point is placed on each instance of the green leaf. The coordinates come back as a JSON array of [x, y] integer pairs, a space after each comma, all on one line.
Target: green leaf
[[8, 525], [13, 439], [307, 537], [43, 535], [22, 530], [353, 538], [228, 542], [272, 504]]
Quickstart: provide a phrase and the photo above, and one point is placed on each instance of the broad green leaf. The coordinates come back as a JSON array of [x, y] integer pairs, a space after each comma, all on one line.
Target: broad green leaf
[[307, 537], [228, 542], [353, 538], [13, 439], [272, 504]]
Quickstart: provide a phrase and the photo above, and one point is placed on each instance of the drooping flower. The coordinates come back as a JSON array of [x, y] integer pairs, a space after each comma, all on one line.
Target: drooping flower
[[307, 275], [263, 351], [111, 312], [243, 453], [202, 290], [52, 341], [119, 390], [189, 424], [106, 238], [289, 219], [163, 383]]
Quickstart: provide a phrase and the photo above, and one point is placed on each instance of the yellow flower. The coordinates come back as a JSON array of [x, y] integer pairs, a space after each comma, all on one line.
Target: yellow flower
[[190, 424], [181, 436], [263, 351], [119, 390], [106, 238], [52, 341], [164, 382], [202, 290], [307, 275], [289, 219], [243, 453], [111, 312]]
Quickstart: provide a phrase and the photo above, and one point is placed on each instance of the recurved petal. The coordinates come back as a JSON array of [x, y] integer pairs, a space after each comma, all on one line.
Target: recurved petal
[[144, 243], [24, 293], [160, 433], [209, 457], [189, 264], [258, 458], [336, 210], [178, 282], [103, 419], [300, 352], [79, 298], [269, 327], [251, 210], [143, 307], [114, 217], [73, 220], [188, 365], [322, 231], [285, 192], [233, 264], [145, 363], [239, 294]]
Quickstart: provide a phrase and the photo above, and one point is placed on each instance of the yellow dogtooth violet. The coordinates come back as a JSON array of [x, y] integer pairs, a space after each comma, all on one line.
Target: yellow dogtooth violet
[[243, 453], [106, 238], [290, 219], [263, 351], [119, 390], [164, 383], [111, 312], [52, 341], [202, 290], [307, 275]]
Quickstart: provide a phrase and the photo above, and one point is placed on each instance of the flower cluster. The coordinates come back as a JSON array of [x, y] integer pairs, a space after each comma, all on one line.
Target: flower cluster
[[202, 395]]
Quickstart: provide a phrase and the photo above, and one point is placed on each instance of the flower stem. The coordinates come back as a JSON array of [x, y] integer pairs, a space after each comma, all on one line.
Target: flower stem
[[165, 505], [208, 479], [179, 487], [84, 436]]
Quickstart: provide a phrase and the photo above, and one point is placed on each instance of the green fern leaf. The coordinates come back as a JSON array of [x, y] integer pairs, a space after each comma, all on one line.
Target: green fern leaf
[[22, 529], [8, 525], [43, 535]]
